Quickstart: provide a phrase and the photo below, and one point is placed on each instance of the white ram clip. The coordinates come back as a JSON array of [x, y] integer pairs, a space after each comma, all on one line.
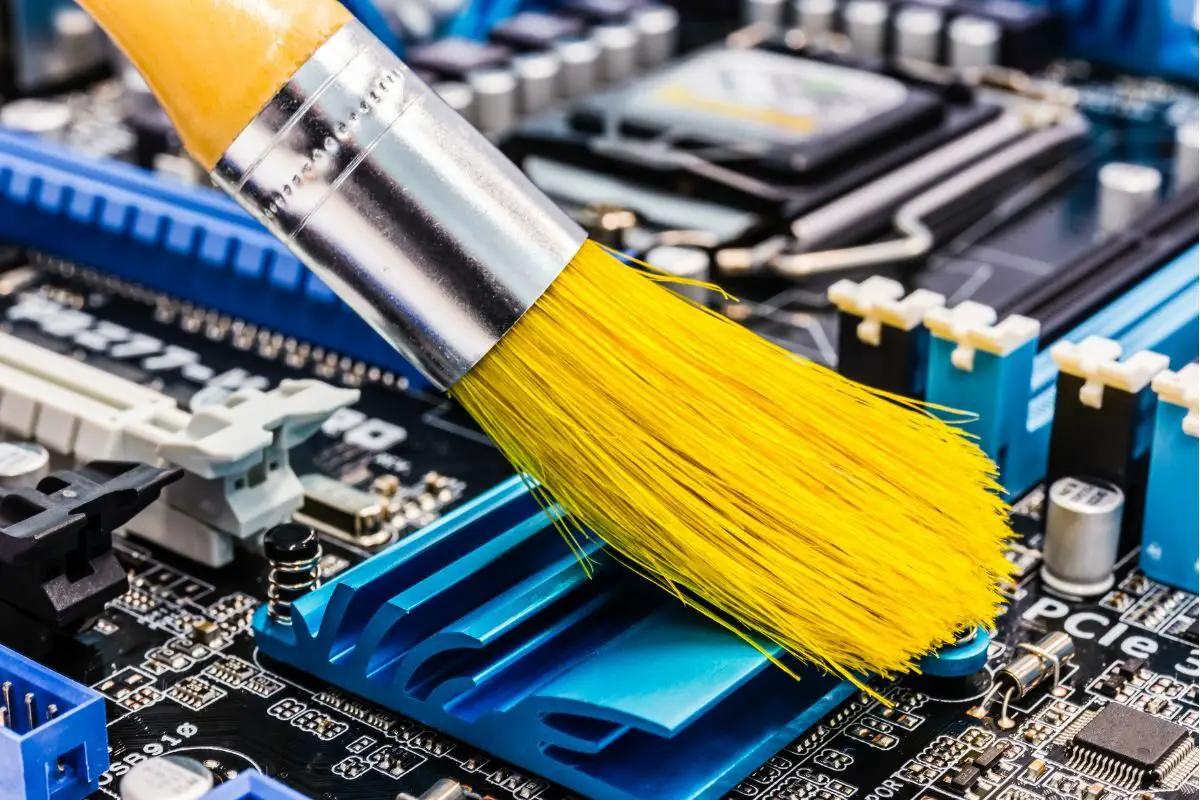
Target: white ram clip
[[881, 301], [1096, 360], [1182, 388], [973, 327], [239, 481]]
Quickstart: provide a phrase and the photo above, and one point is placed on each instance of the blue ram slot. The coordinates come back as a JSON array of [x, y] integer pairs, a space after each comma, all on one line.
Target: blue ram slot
[[55, 745], [194, 244], [253, 786], [1159, 314], [484, 626]]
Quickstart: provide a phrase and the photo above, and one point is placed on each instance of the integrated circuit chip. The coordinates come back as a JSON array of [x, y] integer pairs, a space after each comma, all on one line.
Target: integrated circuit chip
[[1124, 746]]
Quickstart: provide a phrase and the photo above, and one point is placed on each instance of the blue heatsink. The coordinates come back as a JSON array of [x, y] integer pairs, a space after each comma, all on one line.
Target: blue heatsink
[[55, 743], [194, 244], [484, 626]]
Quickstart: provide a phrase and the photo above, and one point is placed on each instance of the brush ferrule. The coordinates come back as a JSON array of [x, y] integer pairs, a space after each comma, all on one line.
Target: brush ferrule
[[406, 211]]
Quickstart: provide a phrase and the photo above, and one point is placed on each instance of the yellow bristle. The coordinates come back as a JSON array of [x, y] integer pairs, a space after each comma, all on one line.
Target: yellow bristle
[[849, 527]]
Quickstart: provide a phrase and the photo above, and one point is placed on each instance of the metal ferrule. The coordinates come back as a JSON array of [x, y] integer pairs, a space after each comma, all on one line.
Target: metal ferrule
[[406, 211]]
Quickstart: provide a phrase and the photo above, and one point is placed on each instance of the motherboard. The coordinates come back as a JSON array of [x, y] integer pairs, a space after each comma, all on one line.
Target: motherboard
[[247, 551]]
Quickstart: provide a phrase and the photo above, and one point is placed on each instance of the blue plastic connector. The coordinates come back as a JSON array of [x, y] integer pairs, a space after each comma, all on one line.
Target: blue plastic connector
[[55, 745], [253, 786], [1014, 393], [192, 243], [484, 625], [1170, 547]]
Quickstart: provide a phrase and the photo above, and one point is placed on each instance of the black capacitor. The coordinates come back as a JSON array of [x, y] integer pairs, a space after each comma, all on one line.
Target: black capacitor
[[535, 30], [454, 57]]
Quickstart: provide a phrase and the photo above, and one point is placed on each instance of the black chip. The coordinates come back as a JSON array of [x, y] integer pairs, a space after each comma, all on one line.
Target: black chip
[[1129, 668], [966, 778], [1131, 737], [453, 57], [535, 30], [990, 757]]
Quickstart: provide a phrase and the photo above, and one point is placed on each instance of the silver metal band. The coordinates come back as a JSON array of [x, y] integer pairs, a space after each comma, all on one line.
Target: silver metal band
[[407, 212]]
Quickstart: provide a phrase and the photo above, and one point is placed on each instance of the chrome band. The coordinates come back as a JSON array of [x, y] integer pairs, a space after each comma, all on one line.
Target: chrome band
[[409, 214]]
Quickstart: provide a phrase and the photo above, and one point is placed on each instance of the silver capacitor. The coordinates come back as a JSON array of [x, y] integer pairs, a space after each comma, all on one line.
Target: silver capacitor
[[49, 119], [918, 34], [764, 12], [683, 262], [658, 29], [1083, 533], [580, 66], [445, 789], [1127, 191], [1187, 156], [974, 43], [618, 43], [167, 778], [866, 24], [496, 100], [22, 464], [458, 96], [1047, 658], [538, 79], [817, 18]]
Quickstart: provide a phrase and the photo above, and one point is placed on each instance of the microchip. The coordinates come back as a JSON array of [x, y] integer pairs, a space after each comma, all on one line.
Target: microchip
[[1124, 746]]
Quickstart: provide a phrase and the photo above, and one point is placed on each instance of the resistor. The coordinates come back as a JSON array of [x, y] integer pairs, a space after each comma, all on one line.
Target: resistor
[[1036, 662], [294, 553]]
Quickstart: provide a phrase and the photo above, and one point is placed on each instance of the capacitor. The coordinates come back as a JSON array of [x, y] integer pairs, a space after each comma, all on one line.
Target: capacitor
[[683, 262], [1045, 659], [866, 25], [1127, 191], [658, 29], [167, 778], [618, 51], [918, 34], [817, 18], [1083, 534], [539, 79], [22, 464], [46, 118], [445, 789], [495, 99], [608, 224], [580, 66], [763, 12], [1187, 157], [458, 96], [974, 43], [294, 553]]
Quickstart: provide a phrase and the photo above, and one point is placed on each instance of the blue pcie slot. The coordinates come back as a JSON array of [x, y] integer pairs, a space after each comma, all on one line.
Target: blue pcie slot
[[53, 743], [194, 244], [483, 625]]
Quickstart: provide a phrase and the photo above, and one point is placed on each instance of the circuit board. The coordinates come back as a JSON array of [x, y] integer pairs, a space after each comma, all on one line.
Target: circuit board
[[1071, 697]]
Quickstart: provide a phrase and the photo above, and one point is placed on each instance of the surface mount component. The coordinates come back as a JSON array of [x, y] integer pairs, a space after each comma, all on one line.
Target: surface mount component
[[1130, 748], [483, 626], [57, 564], [53, 739], [167, 778]]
